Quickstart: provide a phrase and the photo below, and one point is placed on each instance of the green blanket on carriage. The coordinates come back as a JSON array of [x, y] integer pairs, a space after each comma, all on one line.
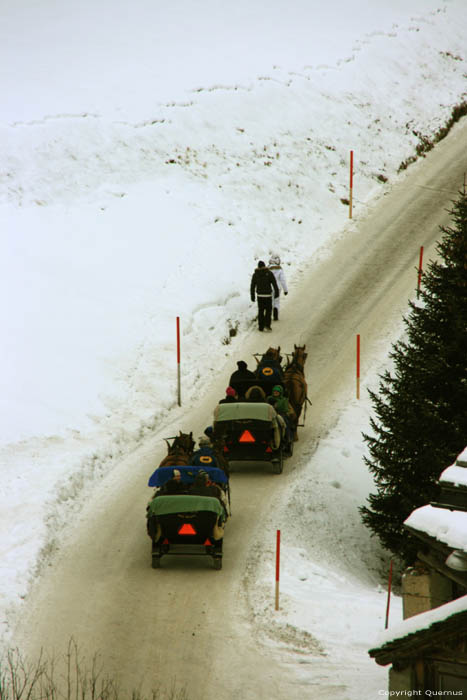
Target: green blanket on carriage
[[167, 505], [244, 411]]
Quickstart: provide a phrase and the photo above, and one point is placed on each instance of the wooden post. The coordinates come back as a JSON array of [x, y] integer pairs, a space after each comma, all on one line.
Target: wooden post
[[179, 393], [278, 557], [358, 366], [351, 185], [389, 596]]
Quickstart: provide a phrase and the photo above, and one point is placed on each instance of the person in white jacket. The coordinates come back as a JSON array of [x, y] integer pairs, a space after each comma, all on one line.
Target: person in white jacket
[[278, 272]]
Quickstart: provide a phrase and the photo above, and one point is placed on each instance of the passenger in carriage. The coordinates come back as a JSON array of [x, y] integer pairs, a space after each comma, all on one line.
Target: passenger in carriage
[[203, 486], [242, 379], [255, 394], [283, 408], [279, 401], [231, 395], [174, 485]]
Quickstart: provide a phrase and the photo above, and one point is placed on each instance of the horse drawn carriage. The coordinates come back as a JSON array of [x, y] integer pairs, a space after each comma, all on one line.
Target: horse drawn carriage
[[188, 512], [251, 429], [250, 432]]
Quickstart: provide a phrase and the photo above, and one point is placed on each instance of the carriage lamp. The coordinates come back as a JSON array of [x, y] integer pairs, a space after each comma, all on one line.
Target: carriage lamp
[[457, 560]]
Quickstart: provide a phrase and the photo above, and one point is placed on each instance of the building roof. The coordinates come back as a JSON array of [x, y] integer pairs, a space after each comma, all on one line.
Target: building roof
[[454, 476], [447, 526], [442, 529], [421, 632]]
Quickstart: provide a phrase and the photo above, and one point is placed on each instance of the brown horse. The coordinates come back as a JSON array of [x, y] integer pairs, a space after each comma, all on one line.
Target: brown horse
[[295, 383], [180, 451]]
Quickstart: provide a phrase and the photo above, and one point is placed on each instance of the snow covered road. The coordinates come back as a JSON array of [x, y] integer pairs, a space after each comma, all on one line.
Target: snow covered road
[[187, 623]]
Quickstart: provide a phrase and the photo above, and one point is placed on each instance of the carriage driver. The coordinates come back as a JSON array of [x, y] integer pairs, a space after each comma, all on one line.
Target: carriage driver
[[205, 454]]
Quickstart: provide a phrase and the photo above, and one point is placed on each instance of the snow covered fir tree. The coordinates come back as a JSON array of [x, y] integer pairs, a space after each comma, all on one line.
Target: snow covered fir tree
[[421, 407]]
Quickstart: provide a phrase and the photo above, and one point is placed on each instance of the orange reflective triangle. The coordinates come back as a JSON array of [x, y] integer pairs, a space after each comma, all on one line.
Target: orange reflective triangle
[[187, 529], [246, 436]]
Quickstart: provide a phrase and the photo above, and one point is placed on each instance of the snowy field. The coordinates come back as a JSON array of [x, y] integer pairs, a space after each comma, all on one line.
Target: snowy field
[[150, 154]]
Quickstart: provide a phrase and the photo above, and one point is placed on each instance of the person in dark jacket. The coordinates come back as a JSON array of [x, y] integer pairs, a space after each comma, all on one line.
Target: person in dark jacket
[[264, 285], [242, 379]]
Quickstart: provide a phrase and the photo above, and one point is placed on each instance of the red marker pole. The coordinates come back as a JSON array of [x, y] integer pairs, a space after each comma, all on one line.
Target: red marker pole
[[351, 185], [420, 270], [179, 395], [358, 366], [278, 558], [389, 596]]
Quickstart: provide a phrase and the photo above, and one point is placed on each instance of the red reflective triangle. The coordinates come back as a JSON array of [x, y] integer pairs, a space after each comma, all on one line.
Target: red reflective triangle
[[187, 529], [207, 542], [246, 436]]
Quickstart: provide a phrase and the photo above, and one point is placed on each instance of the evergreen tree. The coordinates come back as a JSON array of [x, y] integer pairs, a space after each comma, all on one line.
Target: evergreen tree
[[421, 408]]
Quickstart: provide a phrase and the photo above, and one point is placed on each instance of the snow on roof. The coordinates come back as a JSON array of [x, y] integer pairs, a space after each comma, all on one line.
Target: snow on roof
[[449, 527], [423, 621], [454, 475], [462, 458]]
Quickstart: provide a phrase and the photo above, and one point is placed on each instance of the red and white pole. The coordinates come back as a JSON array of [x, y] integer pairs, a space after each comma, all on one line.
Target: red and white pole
[[358, 366], [179, 394], [420, 270], [278, 558], [351, 185]]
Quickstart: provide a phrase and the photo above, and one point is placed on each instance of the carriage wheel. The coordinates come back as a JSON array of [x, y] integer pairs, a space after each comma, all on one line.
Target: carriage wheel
[[278, 464], [217, 561]]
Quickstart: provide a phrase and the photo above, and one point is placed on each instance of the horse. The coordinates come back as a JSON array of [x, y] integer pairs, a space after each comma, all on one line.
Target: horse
[[295, 383], [184, 441], [180, 451]]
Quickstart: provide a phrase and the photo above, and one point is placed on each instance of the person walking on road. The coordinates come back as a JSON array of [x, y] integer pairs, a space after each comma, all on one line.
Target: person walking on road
[[278, 272], [264, 285]]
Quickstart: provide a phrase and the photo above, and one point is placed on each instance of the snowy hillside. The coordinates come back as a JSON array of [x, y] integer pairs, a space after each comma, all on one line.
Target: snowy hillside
[[150, 154]]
